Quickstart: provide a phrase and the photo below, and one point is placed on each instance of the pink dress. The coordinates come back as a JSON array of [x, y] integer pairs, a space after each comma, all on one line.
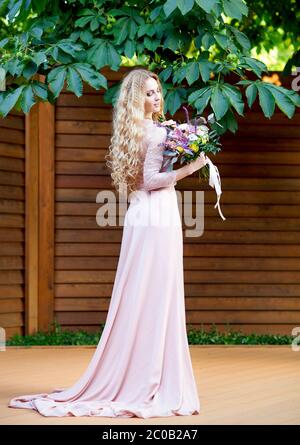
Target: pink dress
[[142, 365]]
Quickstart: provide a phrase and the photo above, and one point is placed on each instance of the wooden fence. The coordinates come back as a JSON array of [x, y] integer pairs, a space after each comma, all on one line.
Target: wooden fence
[[56, 263]]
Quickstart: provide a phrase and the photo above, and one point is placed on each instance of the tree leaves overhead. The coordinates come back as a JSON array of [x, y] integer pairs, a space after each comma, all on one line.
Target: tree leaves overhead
[[92, 77], [74, 81], [27, 98], [251, 93], [56, 79], [285, 101], [192, 44], [234, 97], [219, 102], [273, 25], [9, 100], [235, 8], [90, 18], [271, 95], [203, 100], [174, 99], [103, 53], [266, 100], [208, 5]]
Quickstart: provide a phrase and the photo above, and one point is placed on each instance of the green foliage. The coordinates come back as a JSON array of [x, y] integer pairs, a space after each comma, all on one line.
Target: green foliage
[[273, 24], [269, 94], [232, 337], [55, 336], [194, 45]]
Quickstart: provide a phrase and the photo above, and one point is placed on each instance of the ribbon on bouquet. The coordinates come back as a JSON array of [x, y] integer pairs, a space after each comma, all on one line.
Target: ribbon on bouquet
[[215, 182], [214, 178]]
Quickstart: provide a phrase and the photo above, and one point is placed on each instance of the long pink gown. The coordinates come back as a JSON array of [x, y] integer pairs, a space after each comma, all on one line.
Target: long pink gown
[[142, 365]]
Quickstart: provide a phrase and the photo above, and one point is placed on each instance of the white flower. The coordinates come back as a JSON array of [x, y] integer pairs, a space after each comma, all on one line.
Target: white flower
[[202, 130], [183, 126], [211, 118], [192, 137]]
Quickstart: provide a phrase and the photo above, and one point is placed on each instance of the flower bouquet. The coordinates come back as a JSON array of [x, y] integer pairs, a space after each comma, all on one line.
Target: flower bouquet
[[186, 141]]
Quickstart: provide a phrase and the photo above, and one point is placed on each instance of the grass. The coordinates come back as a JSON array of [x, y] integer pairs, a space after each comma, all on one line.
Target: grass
[[56, 336]]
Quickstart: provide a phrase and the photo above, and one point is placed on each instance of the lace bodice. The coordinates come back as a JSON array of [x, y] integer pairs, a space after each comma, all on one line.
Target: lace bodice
[[153, 178]]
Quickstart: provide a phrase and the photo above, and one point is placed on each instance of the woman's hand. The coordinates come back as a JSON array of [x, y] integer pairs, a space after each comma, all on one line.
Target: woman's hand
[[199, 162], [169, 122]]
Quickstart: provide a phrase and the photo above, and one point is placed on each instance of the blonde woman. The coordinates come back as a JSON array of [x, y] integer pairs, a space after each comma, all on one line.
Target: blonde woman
[[142, 365]]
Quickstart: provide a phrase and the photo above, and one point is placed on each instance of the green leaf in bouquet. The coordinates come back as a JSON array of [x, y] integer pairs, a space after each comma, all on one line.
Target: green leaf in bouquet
[[203, 173]]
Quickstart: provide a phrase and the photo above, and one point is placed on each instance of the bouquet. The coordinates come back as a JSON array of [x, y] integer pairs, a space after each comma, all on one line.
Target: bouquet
[[186, 141]]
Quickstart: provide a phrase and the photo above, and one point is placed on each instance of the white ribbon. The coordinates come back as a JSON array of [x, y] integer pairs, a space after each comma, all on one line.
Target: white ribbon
[[215, 182]]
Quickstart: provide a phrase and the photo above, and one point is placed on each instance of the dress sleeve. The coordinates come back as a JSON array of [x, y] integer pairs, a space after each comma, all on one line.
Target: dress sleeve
[[152, 177]]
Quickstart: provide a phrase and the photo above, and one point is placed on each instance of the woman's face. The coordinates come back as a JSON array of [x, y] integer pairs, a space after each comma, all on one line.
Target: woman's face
[[152, 97]]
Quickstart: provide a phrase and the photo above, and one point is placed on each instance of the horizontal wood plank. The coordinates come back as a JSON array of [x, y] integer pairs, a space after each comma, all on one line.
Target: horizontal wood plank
[[190, 263], [191, 304], [191, 290]]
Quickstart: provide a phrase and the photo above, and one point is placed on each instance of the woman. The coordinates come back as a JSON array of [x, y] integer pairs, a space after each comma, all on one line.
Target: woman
[[141, 366]]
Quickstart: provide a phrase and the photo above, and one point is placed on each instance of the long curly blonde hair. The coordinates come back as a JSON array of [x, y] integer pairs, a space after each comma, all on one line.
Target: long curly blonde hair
[[124, 156]]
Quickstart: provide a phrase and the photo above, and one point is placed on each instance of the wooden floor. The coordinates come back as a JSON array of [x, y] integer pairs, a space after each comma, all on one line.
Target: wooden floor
[[236, 384]]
